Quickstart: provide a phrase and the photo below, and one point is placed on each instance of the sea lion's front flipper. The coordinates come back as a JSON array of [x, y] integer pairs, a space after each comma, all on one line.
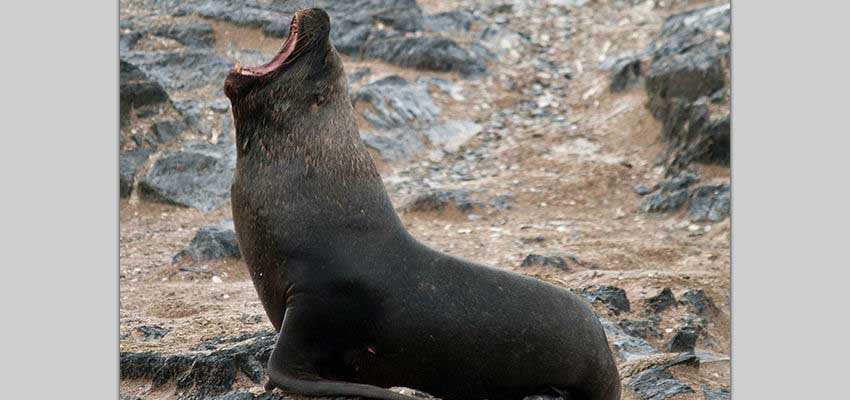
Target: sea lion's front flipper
[[293, 364], [283, 381]]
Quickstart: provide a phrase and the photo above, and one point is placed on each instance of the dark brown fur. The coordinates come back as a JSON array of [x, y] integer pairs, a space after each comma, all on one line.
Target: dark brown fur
[[360, 304]]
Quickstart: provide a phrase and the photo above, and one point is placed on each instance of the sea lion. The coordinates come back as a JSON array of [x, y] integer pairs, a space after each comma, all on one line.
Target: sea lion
[[359, 303]]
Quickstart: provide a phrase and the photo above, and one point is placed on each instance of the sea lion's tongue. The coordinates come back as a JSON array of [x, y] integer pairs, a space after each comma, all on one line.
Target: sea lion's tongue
[[279, 59]]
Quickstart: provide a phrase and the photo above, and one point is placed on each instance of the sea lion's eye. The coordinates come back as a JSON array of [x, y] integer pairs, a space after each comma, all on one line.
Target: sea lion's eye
[[317, 101]]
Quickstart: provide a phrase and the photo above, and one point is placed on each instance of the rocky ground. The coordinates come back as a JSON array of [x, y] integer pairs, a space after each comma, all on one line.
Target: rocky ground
[[585, 143]]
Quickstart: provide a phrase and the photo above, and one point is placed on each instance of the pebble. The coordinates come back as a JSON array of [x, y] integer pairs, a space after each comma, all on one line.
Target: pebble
[[216, 279]]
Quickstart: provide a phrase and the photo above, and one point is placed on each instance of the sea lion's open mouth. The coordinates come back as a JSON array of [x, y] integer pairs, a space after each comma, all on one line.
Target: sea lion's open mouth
[[282, 57]]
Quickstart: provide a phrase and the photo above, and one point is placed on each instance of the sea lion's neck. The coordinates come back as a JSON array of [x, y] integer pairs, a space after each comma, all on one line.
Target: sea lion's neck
[[322, 144], [314, 167]]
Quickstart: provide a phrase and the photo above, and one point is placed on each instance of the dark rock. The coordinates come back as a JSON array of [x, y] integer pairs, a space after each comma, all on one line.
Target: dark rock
[[168, 130], [188, 33], [535, 239], [482, 52], [684, 78], [242, 395], [397, 110], [400, 144], [194, 111], [248, 13], [201, 375], [716, 394], [624, 73], [690, 64], [613, 297], [627, 347], [681, 181], [212, 243], [128, 40], [198, 176], [692, 133], [196, 270], [708, 357], [500, 40], [536, 260], [642, 190], [181, 69], [401, 15], [213, 344], [695, 30], [641, 328], [442, 85], [710, 203], [137, 89], [699, 302], [670, 195], [221, 106], [153, 332], [360, 28], [441, 200], [393, 102], [687, 56], [431, 53], [237, 395], [684, 339], [450, 136], [662, 301], [140, 365], [358, 75], [129, 164], [502, 202], [451, 21], [664, 201], [353, 39], [274, 17], [657, 384]]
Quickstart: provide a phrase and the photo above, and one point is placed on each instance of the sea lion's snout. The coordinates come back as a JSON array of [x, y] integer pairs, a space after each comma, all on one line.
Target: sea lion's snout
[[315, 23], [309, 31]]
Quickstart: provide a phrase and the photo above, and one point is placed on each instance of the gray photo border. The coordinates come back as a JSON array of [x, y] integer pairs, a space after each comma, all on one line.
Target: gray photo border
[[60, 203], [790, 85]]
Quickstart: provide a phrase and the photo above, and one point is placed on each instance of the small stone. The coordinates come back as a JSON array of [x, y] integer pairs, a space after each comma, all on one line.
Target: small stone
[[716, 394], [613, 297], [441, 200], [699, 302], [642, 190], [684, 340], [534, 239], [625, 73], [536, 260], [210, 243], [661, 301], [216, 279], [710, 203], [129, 164], [657, 384], [153, 332], [641, 328]]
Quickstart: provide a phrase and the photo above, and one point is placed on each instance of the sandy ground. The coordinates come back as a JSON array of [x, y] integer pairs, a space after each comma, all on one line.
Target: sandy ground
[[571, 185]]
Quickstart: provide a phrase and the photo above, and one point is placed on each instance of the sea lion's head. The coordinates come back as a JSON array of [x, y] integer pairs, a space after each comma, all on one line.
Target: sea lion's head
[[304, 76]]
